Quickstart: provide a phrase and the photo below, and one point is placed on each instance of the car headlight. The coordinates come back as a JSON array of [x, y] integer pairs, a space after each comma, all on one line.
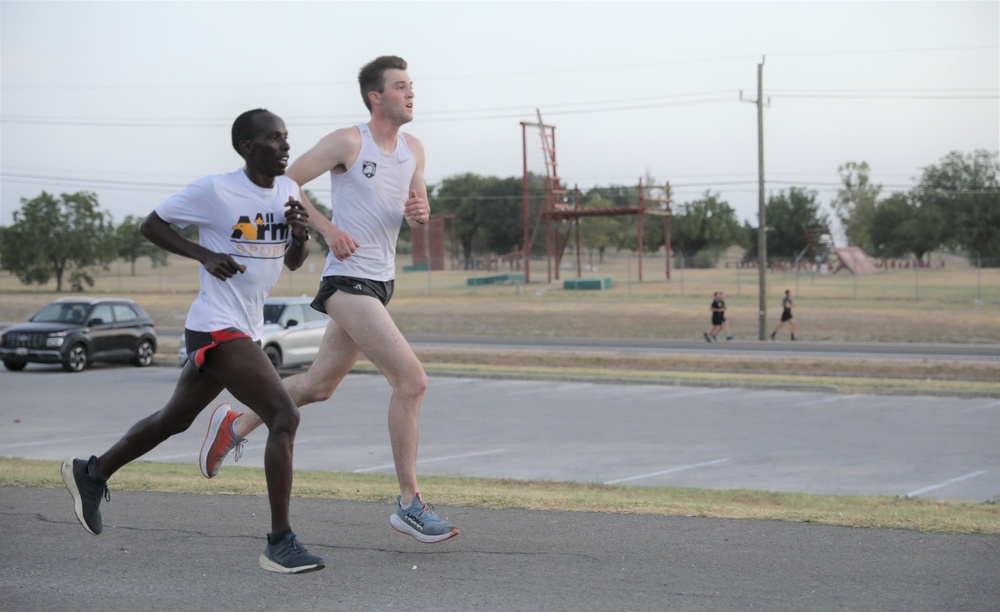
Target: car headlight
[[54, 341]]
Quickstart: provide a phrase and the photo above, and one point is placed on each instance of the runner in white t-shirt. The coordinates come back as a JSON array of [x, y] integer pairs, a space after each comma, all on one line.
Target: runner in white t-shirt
[[377, 175], [250, 223]]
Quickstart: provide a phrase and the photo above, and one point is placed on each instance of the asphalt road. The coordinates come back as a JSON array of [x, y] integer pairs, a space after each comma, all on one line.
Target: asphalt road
[[198, 552], [713, 437]]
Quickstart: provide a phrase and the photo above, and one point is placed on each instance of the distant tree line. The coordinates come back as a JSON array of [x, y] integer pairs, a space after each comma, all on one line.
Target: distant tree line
[[955, 205]]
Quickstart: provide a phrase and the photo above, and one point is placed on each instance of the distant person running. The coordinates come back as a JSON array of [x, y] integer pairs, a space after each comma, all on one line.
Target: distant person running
[[786, 315], [249, 222], [719, 322]]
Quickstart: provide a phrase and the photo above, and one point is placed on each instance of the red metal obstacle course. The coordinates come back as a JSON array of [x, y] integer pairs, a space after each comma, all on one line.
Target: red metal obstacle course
[[557, 208]]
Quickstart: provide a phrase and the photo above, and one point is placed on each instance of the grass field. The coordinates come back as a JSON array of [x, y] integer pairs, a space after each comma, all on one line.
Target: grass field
[[953, 304], [957, 304]]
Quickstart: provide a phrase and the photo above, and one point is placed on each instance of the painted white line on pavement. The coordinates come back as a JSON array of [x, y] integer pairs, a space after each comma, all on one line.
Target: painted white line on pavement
[[670, 396], [421, 461], [670, 471], [978, 408], [839, 398], [59, 441], [945, 483]]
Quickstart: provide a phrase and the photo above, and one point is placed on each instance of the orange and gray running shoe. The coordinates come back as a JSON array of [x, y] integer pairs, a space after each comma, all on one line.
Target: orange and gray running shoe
[[220, 440]]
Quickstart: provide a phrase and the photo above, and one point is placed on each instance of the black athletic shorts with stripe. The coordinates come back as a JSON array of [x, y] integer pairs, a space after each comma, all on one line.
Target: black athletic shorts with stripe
[[380, 290]]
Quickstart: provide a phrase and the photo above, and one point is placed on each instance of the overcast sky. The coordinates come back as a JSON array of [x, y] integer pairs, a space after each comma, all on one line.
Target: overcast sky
[[133, 100]]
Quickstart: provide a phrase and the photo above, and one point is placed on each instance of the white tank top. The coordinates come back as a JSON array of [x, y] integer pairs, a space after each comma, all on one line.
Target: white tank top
[[367, 203]]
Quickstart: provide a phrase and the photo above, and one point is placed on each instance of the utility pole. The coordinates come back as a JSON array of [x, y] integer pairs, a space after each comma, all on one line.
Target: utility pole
[[761, 219]]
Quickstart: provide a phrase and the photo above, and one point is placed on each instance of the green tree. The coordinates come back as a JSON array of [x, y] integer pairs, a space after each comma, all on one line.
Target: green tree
[[618, 195], [855, 203], [133, 246], [964, 189], [902, 226], [887, 222], [58, 237], [621, 231], [488, 213], [702, 229], [788, 214], [599, 233]]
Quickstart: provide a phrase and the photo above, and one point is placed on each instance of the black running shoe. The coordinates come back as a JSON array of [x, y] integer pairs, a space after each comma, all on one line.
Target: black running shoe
[[87, 486], [286, 555]]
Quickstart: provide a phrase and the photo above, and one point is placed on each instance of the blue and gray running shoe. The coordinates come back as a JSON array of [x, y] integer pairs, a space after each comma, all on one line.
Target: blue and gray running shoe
[[286, 555], [420, 521]]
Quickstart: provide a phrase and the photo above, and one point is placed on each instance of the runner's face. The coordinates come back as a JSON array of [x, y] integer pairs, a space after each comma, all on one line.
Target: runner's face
[[268, 152], [397, 99]]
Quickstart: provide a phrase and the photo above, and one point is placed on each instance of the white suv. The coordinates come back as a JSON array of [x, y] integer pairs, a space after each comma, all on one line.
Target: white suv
[[293, 331]]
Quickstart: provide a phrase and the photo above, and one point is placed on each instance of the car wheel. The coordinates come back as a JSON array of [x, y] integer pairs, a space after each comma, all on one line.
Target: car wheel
[[14, 366], [144, 354], [274, 354], [77, 358]]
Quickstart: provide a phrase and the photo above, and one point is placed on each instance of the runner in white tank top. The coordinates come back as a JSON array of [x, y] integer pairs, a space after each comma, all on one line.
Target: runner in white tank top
[[377, 173], [368, 201]]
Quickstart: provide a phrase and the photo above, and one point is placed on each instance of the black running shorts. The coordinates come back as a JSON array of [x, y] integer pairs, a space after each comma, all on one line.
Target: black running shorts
[[380, 290]]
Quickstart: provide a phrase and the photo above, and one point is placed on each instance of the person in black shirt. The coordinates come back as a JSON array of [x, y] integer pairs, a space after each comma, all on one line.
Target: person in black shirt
[[718, 318], [786, 315]]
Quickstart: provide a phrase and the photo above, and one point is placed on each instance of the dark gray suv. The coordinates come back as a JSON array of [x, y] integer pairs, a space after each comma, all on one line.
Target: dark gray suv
[[79, 331]]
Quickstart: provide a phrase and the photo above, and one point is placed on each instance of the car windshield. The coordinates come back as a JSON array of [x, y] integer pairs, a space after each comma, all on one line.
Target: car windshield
[[272, 312], [63, 312]]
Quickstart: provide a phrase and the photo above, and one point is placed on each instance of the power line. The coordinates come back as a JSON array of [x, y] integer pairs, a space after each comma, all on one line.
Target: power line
[[885, 51], [520, 112], [862, 96], [157, 187], [466, 77]]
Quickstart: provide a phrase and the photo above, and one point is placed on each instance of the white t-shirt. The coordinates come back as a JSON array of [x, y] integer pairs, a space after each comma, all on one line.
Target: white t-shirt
[[367, 203], [246, 221]]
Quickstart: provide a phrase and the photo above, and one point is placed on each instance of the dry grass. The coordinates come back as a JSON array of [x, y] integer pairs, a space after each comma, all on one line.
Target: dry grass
[[852, 511], [957, 304], [951, 378], [934, 305]]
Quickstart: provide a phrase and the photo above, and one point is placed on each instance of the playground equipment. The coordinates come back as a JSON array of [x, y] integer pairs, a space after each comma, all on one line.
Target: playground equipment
[[821, 248], [560, 215]]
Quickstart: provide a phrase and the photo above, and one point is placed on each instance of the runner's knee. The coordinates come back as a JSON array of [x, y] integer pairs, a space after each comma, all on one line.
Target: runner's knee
[[283, 421], [318, 390], [414, 385]]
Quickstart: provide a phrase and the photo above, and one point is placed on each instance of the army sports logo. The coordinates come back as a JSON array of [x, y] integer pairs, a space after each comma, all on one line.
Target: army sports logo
[[368, 168]]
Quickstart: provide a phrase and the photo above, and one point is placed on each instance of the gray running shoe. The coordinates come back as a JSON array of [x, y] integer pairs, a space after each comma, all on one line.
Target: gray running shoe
[[87, 486], [286, 555], [420, 521]]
